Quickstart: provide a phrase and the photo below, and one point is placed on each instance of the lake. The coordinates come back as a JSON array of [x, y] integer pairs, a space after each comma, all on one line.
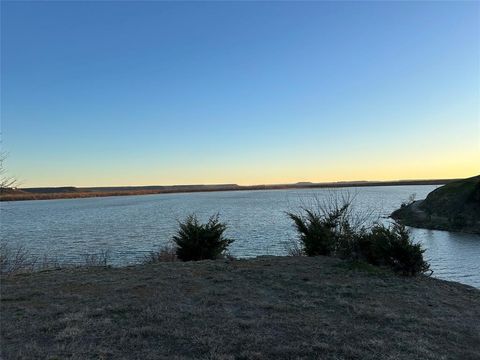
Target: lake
[[131, 226]]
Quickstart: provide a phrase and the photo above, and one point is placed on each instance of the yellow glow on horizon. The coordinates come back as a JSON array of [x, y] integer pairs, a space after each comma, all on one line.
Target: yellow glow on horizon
[[397, 170], [403, 164]]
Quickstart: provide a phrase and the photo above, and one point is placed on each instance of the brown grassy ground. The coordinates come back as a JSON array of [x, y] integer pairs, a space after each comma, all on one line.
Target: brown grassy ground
[[267, 308]]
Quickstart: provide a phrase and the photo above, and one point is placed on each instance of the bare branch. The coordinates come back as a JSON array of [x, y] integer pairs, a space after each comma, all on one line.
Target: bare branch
[[6, 182]]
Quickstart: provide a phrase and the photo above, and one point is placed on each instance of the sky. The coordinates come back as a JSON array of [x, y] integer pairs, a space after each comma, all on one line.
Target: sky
[[144, 93]]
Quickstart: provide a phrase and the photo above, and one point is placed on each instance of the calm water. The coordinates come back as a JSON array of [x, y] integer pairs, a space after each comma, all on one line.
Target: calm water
[[131, 226]]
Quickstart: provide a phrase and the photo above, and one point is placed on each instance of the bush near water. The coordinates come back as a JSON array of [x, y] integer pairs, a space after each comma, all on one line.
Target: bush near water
[[331, 233]]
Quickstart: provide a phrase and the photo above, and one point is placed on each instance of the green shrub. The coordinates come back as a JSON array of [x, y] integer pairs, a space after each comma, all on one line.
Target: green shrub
[[196, 241], [328, 230], [318, 232], [348, 242], [393, 247]]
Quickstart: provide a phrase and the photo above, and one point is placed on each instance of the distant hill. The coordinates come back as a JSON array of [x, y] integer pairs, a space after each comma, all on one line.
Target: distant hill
[[180, 188], [69, 192], [454, 207], [51, 190]]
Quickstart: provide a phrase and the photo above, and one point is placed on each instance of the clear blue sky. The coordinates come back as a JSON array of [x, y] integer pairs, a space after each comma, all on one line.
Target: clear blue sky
[[124, 93]]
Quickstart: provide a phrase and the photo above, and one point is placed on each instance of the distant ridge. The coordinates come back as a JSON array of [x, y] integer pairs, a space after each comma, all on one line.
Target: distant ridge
[[162, 187], [66, 192]]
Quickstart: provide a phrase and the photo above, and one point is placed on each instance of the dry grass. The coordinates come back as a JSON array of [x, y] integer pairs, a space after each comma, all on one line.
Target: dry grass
[[266, 308], [167, 253], [16, 259]]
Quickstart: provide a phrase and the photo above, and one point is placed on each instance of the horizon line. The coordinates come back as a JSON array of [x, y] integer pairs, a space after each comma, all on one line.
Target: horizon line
[[251, 185]]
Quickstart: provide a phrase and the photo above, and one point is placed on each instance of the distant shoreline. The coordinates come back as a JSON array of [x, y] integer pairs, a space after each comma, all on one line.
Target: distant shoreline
[[51, 193]]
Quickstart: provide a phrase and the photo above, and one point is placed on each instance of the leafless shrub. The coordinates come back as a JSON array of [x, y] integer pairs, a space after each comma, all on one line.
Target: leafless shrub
[[15, 259], [342, 202], [97, 260], [6, 182], [333, 213], [166, 253], [48, 263], [410, 200]]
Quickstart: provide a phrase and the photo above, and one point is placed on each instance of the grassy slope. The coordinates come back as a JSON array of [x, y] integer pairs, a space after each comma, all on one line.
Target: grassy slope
[[454, 206], [458, 196], [267, 308]]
